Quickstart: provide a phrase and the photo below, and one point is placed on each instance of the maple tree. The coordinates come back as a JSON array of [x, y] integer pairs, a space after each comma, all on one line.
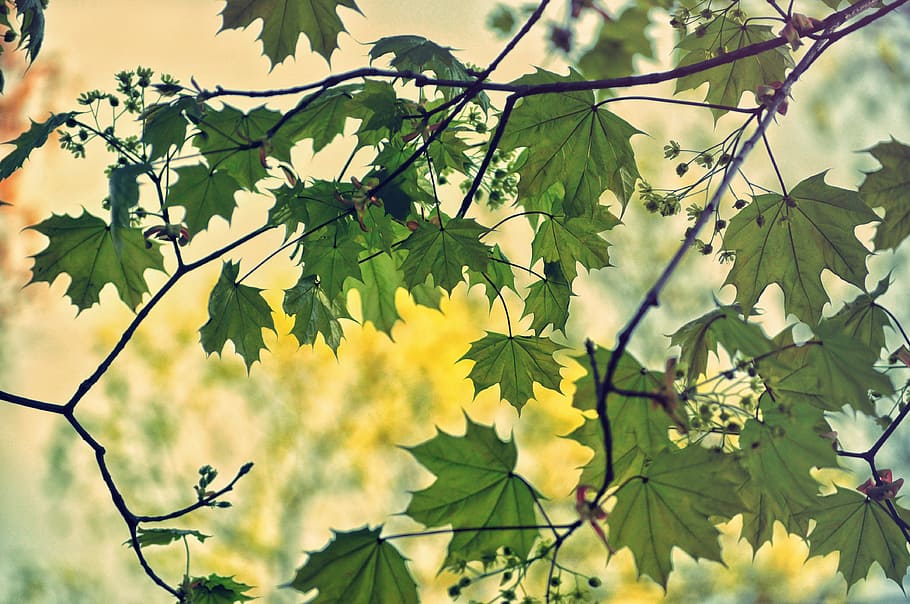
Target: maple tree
[[734, 424]]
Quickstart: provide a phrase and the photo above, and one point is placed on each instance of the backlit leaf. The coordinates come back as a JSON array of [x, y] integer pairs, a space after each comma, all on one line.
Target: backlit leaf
[[165, 536], [889, 188], [444, 251], [204, 193], [83, 248], [379, 279], [30, 140], [514, 363], [790, 241], [570, 241], [237, 313], [314, 313], [215, 589], [356, 567], [475, 487]]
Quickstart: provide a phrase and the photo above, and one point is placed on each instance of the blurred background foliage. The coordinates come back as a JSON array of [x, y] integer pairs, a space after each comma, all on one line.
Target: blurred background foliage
[[324, 431]]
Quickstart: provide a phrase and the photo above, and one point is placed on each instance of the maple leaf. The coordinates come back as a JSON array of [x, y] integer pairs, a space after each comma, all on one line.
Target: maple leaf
[[720, 326], [728, 82], [888, 188], [84, 249], [164, 536], [284, 20], [417, 54], [443, 251], [576, 142], [497, 277], [214, 589], [639, 428], [618, 42], [357, 567], [311, 205], [548, 300], [779, 451], [862, 531], [863, 319], [830, 371], [323, 118], [570, 241], [237, 313], [30, 140], [164, 125], [475, 487], [672, 505], [513, 363], [379, 279], [204, 193], [123, 195], [333, 259], [314, 313], [791, 240]]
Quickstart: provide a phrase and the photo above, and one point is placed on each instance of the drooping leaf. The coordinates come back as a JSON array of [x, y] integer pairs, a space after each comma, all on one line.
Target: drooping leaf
[[123, 195], [332, 259], [165, 536], [31, 30], [164, 126], [323, 117], [862, 531], [30, 140], [417, 54], [617, 44], [790, 240], [204, 193], [779, 450], [237, 313], [215, 589], [357, 567], [514, 363], [571, 140], [443, 251], [312, 205], [829, 371], [475, 487], [721, 326], [889, 188], [673, 506], [639, 429], [379, 279], [379, 110], [497, 277], [728, 82], [863, 319], [570, 241], [548, 300], [314, 313], [235, 142], [83, 248], [284, 20]]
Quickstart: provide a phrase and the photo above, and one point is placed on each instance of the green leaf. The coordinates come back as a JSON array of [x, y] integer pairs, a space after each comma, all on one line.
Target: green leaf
[[31, 30], [862, 532], [497, 277], [617, 44], [314, 313], [728, 82], [790, 241], [475, 487], [417, 54], [548, 300], [830, 371], [357, 567], [889, 188], [779, 451], [513, 363], [310, 205], [720, 326], [863, 319], [380, 278], [231, 141], [284, 20], [204, 193], [673, 506], [164, 536], [123, 194], [443, 252], [237, 313], [30, 140], [83, 248], [333, 259], [568, 241], [164, 126], [380, 112], [323, 118], [214, 589], [576, 142], [640, 430]]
